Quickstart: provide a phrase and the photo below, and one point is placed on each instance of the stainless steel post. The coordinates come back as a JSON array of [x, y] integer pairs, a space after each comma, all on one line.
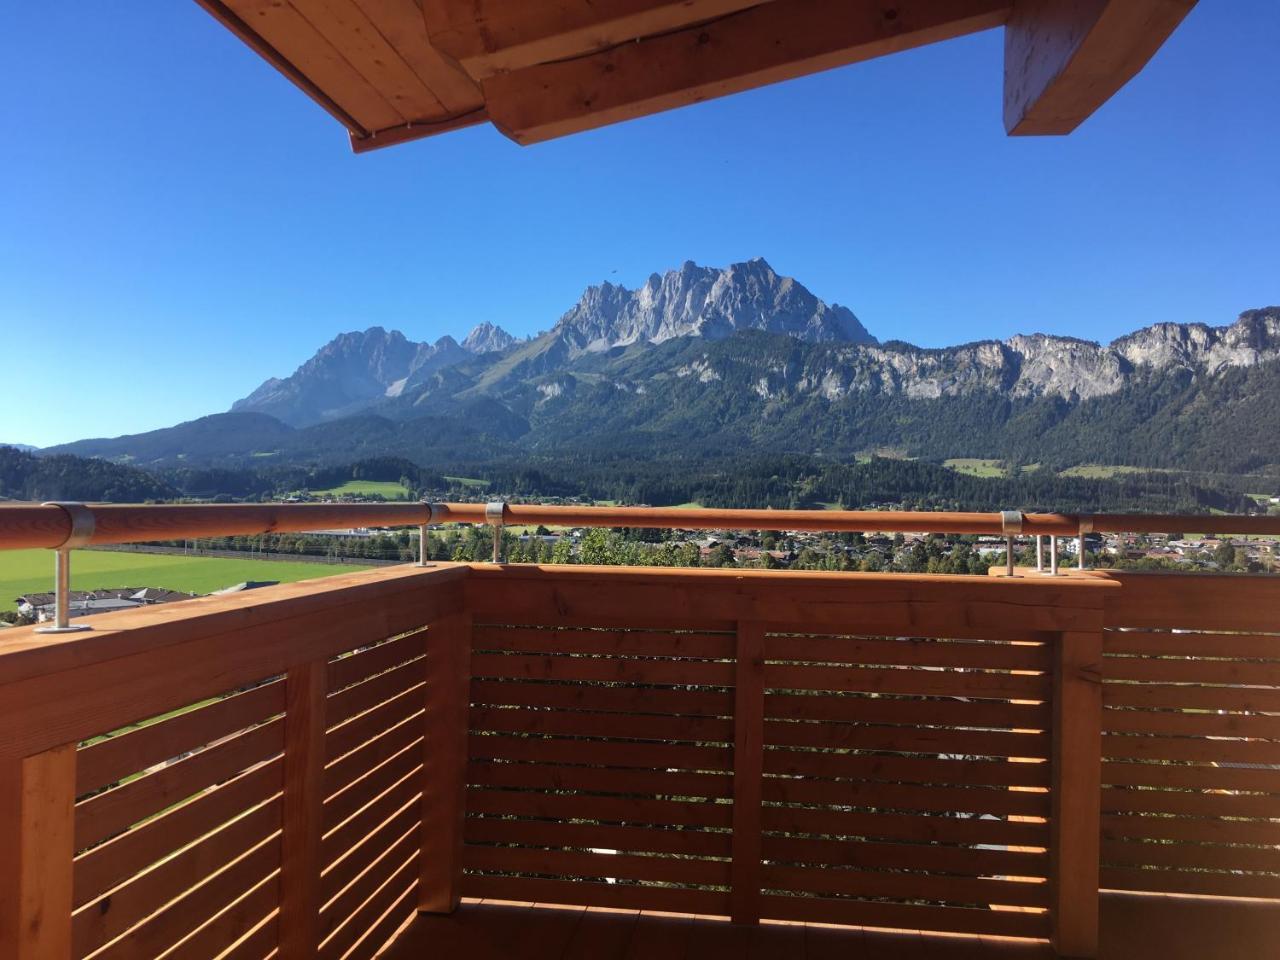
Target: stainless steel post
[[82, 527], [495, 513]]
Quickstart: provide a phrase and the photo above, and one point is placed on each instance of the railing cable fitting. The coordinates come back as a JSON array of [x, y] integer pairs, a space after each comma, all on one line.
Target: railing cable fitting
[[495, 515], [1010, 524], [82, 529]]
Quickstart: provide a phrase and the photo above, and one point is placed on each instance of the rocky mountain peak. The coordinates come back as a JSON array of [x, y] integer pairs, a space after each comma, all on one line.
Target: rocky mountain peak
[[487, 338]]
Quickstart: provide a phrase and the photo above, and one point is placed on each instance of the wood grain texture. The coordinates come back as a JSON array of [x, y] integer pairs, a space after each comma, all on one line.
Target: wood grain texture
[[304, 753], [748, 773]]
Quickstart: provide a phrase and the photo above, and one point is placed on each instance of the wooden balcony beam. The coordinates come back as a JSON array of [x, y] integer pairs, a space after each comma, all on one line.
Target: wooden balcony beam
[[763, 44], [1063, 59]]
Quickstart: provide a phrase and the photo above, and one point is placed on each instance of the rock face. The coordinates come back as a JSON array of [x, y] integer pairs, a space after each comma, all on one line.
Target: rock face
[[704, 302], [488, 338], [349, 373]]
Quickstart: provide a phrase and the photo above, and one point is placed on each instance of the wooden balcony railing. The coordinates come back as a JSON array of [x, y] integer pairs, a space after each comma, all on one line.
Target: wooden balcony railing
[[296, 771]]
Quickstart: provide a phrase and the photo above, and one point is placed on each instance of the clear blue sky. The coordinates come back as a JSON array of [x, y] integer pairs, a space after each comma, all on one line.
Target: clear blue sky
[[178, 222]]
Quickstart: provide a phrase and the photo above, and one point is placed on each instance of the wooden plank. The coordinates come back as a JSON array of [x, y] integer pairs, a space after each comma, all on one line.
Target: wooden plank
[[918, 682], [1195, 882], [188, 909], [614, 753], [608, 669], [342, 839], [1187, 697], [932, 857], [340, 806], [599, 779], [896, 826], [629, 726], [893, 796], [355, 700], [109, 813], [362, 664], [934, 741], [809, 763], [905, 917], [398, 890], [102, 920], [37, 816], [375, 722], [635, 643], [631, 700], [527, 889], [1248, 604], [255, 905], [392, 837], [1063, 59], [1074, 821], [1204, 750], [764, 44], [1259, 832], [861, 708], [1181, 670], [1210, 803], [488, 38], [908, 652], [909, 886], [748, 772], [1196, 856], [605, 809], [596, 866], [1197, 777], [103, 867], [444, 763], [348, 768], [1165, 643], [305, 695], [586, 836], [1191, 724], [101, 764]]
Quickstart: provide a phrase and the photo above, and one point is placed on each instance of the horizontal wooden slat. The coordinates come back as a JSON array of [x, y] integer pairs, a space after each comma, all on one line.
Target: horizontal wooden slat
[[344, 921], [902, 739], [340, 839], [861, 707], [108, 813], [659, 868], [921, 682], [346, 769], [1194, 602], [1210, 804], [180, 917], [371, 781], [1199, 723], [908, 886], [905, 917], [608, 669], [395, 836], [585, 835], [363, 696], [1188, 881], [256, 904], [1117, 746], [611, 753], [1197, 776], [599, 779], [576, 696], [629, 726], [1261, 832], [1188, 670], [115, 861], [1200, 856], [1187, 697], [102, 920], [888, 826], [110, 760], [908, 652], [605, 809], [1148, 642], [620, 896], [810, 763], [645, 643], [374, 722], [892, 796], [906, 856], [363, 664]]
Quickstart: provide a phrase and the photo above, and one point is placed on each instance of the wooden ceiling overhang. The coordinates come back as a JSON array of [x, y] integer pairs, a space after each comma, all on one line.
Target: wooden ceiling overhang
[[397, 70]]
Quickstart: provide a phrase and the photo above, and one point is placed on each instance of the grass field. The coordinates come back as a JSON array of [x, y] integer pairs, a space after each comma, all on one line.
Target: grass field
[[468, 481], [23, 571], [975, 467], [1102, 471], [364, 488]]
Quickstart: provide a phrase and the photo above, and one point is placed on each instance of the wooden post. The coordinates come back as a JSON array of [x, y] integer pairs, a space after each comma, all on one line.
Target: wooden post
[[37, 837], [306, 689], [1076, 794], [748, 771], [444, 762]]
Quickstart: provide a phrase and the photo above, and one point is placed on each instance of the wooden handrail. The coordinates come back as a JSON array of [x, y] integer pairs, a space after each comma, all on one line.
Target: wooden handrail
[[26, 526]]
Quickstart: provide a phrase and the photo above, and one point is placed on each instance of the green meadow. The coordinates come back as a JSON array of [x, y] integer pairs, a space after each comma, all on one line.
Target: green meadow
[[387, 489]]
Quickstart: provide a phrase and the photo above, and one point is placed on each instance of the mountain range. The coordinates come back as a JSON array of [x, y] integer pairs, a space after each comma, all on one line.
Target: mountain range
[[703, 362]]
